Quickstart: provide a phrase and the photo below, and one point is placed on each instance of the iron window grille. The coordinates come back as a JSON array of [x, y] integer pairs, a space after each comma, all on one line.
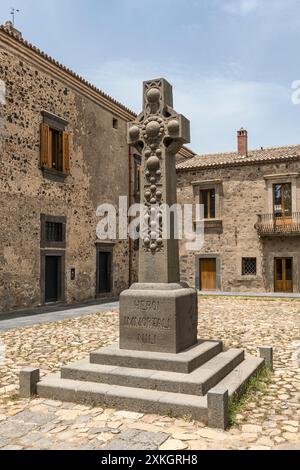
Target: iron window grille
[[54, 232], [249, 267]]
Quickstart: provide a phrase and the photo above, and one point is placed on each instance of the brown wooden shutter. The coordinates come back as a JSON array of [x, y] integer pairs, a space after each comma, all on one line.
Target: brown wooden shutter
[[45, 146], [66, 152]]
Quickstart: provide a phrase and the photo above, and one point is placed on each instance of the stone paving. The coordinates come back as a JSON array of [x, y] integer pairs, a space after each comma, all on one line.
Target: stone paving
[[268, 420], [28, 320]]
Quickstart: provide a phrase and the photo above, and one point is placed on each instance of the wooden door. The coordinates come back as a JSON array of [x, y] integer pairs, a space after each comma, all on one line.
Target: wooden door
[[104, 272], [283, 275], [52, 288], [208, 274]]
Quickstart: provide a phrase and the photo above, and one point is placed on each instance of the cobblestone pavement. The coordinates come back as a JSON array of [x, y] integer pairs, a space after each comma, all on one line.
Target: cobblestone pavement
[[268, 420]]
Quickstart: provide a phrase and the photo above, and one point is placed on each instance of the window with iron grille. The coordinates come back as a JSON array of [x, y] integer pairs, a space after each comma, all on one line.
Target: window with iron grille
[[54, 231], [249, 267]]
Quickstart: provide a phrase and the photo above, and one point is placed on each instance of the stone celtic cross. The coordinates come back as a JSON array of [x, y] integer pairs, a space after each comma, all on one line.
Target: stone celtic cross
[[158, 133], [159, 313]]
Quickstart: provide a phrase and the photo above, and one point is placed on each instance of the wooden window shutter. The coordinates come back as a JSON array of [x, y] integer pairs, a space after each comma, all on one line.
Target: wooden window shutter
[[66, 152], [45, 146]]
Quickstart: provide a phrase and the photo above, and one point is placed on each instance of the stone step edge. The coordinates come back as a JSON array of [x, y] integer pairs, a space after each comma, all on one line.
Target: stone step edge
[[127, 398], [237, 381], [185, 362], [198, 382]]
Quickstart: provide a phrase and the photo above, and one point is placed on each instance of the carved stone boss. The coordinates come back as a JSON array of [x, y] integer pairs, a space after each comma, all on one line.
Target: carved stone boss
[[158, 134]]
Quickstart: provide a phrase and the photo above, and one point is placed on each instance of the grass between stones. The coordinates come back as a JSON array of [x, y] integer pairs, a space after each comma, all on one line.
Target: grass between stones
[[259, 383]]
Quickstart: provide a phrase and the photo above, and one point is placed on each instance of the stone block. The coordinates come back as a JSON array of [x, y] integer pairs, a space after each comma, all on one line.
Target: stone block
[[185, 362], [158, 318], [266, 353], [29, 378], [218, 408]]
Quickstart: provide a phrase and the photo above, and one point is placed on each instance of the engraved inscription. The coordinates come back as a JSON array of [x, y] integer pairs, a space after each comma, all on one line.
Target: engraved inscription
[[147, 305], [147, 323], [147, 339]]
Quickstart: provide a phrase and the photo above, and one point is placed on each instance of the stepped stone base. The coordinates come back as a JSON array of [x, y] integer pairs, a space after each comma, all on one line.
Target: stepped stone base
[[182, 384]]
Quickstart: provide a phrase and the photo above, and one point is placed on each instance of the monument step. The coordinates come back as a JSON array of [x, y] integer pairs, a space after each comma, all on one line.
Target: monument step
[[238, 379], [141, 400], [185, 362], [198, 382], [129, 398]]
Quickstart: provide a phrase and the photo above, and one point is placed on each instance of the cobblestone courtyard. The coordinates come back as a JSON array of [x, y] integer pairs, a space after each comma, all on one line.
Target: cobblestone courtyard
[[267, 421]]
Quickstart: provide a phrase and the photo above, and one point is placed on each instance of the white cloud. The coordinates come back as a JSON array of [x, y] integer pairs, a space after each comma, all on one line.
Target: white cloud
[[240, 7], [216, 107]]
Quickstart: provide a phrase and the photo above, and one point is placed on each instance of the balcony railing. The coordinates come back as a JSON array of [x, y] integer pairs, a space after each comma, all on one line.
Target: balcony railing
[[271, 224]]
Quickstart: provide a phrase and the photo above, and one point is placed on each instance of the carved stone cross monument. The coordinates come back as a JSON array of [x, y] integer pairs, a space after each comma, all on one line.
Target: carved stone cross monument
[[158, 366], [158, 314]]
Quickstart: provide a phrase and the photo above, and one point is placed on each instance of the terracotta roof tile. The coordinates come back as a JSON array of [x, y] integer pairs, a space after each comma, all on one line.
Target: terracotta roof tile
[[232, 159]]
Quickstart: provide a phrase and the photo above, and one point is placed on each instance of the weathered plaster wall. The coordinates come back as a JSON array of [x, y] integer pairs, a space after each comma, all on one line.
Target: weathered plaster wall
[[99, 174]]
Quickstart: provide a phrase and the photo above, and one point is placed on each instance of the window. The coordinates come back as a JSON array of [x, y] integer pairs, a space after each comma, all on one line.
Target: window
[[115, 123], [55, 146], [208, 199], [53, 231], [282, 195], [249, 267]]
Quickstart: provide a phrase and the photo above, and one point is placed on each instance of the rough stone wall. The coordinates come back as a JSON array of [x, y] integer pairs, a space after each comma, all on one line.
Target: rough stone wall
[[99, 174], [243, 196]]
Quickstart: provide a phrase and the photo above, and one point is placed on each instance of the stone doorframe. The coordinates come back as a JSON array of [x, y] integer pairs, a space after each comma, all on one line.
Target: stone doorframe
[[218, 269], [271, 271], [62, 280]]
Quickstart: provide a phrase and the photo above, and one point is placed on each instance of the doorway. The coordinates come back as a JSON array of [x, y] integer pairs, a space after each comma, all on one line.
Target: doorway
[[52, 279], [282, 195], [283, 275], [104, 272], [208, 274]]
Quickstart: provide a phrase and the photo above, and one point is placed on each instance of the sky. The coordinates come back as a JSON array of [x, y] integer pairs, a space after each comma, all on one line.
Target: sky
[[232, 63]]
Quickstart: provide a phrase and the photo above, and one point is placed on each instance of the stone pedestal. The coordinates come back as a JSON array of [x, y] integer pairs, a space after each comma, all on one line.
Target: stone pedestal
[[158, 317]]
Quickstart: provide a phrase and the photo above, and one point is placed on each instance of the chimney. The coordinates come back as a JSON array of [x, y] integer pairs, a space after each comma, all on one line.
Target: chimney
[[242, 136], [9, 27]]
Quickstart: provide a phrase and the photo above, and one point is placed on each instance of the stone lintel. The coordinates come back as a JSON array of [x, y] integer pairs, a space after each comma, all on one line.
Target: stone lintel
[[207, 182]]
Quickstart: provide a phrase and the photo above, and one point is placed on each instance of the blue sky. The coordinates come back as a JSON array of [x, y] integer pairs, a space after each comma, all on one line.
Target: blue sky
[[231, 62]]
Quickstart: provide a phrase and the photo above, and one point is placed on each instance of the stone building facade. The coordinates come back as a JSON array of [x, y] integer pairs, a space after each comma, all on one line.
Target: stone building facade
[[252, 219], [64, 152]]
